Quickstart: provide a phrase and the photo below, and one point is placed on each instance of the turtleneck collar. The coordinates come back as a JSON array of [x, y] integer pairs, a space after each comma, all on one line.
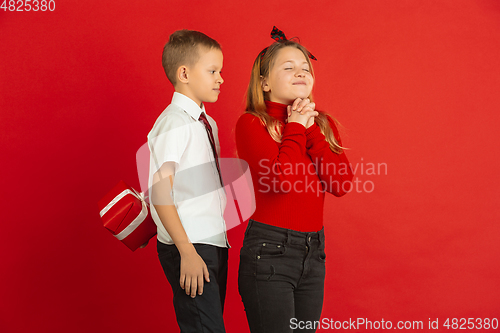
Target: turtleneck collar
[[277, 110]]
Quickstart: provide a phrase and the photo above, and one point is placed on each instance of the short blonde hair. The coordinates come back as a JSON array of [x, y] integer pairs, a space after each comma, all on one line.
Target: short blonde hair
[[183, 48]]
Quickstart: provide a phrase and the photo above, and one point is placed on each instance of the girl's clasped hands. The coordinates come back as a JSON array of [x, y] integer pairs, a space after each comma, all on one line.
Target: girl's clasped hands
[[302, 111]]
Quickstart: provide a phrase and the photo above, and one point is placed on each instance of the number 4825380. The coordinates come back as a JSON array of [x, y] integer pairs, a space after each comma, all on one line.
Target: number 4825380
[[28, 5], [471, 323]]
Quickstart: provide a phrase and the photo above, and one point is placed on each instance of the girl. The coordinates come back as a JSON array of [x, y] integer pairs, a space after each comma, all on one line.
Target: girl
[[295, 155]]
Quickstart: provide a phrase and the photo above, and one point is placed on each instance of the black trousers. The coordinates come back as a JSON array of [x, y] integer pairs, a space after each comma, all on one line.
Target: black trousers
[[202, 313], [281, 277]]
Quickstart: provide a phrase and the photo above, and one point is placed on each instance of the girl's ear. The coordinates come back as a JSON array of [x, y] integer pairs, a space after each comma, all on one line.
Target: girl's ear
[[182, 74], [265, 84]]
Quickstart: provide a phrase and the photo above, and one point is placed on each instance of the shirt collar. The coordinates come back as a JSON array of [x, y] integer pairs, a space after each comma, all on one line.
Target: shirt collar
[[188, 105]]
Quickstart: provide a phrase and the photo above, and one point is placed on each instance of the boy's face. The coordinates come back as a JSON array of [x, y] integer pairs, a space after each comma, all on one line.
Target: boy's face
[[204, 77]]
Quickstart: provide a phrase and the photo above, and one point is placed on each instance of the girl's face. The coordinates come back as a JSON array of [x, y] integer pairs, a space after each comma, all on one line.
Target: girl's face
[[289, 77]]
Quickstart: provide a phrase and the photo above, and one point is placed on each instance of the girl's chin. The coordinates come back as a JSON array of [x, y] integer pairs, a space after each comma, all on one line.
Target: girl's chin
[[302, 96], [290, 99], [302, 93]]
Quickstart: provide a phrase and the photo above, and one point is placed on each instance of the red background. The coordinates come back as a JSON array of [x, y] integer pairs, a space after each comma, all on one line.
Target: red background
[[415, 83]]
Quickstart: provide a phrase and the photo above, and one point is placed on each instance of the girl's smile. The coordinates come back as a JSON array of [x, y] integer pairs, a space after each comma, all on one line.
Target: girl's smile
[[289, 77]]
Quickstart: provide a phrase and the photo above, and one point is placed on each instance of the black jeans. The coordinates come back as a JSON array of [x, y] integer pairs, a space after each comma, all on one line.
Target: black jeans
[[202, 313], [281, 277]]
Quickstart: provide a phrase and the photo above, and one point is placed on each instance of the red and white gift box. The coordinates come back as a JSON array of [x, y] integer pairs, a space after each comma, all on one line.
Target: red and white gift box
[[125, 213]]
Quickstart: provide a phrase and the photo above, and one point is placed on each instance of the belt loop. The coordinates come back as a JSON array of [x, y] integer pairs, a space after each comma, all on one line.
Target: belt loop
[[288, 237], [250, 223]]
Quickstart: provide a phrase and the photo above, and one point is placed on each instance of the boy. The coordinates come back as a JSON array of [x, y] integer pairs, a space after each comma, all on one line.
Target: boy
[[186, 191]]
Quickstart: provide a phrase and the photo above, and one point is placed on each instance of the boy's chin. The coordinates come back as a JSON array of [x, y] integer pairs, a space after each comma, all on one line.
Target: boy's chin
[[211, 100]]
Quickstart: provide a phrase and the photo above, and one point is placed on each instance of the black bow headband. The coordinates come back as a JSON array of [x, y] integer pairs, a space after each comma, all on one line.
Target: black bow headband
[[280, 37]]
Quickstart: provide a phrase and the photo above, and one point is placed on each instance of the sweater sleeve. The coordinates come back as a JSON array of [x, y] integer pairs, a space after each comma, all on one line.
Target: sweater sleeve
[[268, 159], [334, 170]]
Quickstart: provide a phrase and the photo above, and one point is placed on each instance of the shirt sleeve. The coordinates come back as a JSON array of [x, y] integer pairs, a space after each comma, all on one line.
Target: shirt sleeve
[[266, 157], [168, 141], [334, 170]]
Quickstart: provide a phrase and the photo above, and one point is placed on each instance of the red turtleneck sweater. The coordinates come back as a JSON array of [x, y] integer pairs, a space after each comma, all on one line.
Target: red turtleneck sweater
[[290, 178]]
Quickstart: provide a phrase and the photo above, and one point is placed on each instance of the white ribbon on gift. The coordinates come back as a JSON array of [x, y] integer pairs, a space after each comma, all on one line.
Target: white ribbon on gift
[[137, 221]]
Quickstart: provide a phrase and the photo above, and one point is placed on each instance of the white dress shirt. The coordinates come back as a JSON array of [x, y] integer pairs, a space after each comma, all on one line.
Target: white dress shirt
[[178, 136]]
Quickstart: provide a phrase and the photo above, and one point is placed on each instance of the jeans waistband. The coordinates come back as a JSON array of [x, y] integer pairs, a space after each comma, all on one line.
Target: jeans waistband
[[289, 235]]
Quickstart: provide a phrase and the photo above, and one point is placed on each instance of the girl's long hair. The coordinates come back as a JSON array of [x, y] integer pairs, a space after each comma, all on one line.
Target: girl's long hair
[[256, 97]]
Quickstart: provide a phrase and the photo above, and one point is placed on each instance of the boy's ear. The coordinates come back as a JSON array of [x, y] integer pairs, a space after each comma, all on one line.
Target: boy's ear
[[182, 74], [264, 83]]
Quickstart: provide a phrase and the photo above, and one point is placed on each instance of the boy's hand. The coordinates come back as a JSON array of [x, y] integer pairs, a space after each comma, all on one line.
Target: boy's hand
[[193, 272], [302, 111]]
